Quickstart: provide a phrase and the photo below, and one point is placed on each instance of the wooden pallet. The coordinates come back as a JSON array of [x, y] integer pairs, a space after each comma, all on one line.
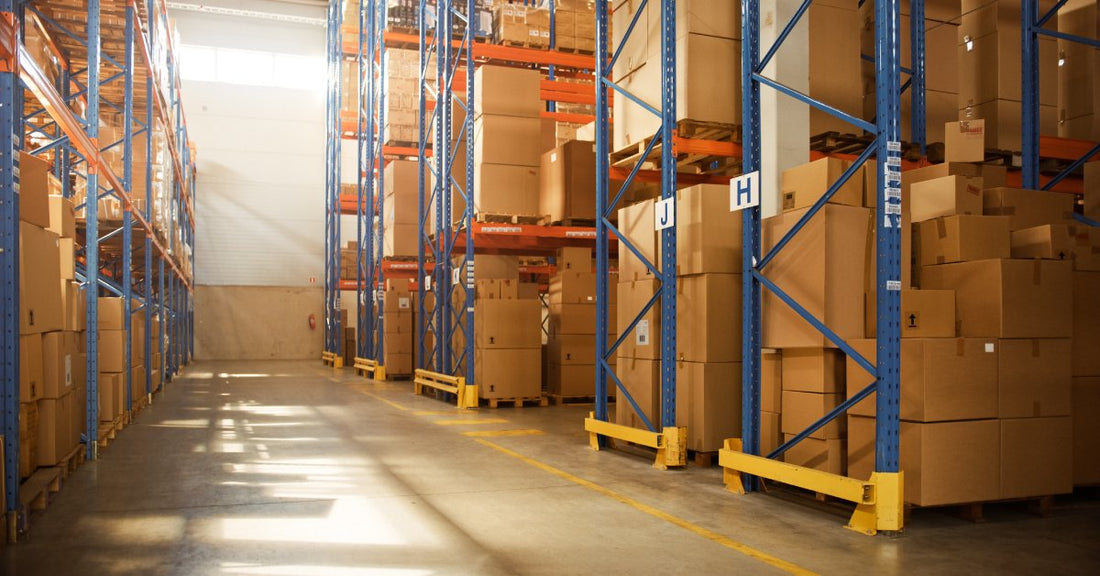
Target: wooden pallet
[[577, 222], [703, 164], [703, 459], [556, 399], [489, 218], [109, 430], [533, 46], [34, 493], [1042, 506], [71, 461], [515, 402]]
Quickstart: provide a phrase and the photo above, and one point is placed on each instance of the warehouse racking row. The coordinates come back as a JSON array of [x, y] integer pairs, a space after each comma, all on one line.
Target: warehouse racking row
[[100, 77]]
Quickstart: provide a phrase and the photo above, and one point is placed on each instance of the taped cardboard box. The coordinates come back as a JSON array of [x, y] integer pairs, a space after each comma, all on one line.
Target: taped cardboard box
[[771, 382], [828, 455], [507, 190], [924, 314], [802, 185], [1008, 298], [30, 367], [989, 66], [1036, 457], [35, 186], [567, 182], [58, 355], [800, 409], [992, 176], [1028, 208], [507, 324], [949, 462], [820, 370], [506, 140], [941, 379], [573, 318], [573, 287], [572, 349], [708, 402], [1086, 430], [112, 351], [707, 306], [1086, 324], [949, 239], [1047, 242], [1034, 378], [400, 240], [708, 234], [40, 304], [1003, 126], [641, 379], [946, 196], [572, 379], [508, 372], [507, 91], [644, 340], [578, 259], [964, 141]]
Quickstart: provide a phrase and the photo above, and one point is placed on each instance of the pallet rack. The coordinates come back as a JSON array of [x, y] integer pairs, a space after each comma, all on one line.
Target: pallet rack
[[108, 34]]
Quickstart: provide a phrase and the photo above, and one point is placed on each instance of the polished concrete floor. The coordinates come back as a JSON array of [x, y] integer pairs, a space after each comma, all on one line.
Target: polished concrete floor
[[285, 468]]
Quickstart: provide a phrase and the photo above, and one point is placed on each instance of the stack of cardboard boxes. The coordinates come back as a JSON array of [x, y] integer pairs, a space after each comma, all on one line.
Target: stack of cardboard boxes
[[506, 141], [567, 183], [1086, 341], [833, 63], [1078, 71], [349, 261], [398, 328], [401, 85], [571, 343], [575, 25], [402, 189], [521, 24]]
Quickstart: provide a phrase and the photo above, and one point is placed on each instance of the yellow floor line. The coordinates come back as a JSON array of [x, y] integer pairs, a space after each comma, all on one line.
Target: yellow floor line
[[454, 412], [699, 530], [381, 399], [466, 421], [498, 433]]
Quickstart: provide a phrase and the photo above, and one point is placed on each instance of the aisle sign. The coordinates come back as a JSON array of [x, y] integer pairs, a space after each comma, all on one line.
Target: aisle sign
[[745, 191]]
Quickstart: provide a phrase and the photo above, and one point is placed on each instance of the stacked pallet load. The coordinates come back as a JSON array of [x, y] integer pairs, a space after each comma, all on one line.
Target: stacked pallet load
[[398, 328], [567, 184], [1078, 64], [521, 23], [575, 26], [349, 261], [1086, 341], [571, 337], [401, 86], [506, 142], [401, 193]]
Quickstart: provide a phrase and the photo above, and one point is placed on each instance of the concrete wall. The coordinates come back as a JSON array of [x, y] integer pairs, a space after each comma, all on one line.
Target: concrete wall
[[257, 323]]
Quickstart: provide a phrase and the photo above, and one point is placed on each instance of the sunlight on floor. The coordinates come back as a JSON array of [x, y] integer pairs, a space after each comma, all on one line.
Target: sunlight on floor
[[352, 520], [297, 570]]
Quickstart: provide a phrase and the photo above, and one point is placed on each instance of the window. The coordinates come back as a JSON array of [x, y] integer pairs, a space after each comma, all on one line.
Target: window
[[252, 68]]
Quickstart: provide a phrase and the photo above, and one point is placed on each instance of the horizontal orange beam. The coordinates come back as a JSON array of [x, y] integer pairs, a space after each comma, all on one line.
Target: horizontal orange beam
[[481, 50]]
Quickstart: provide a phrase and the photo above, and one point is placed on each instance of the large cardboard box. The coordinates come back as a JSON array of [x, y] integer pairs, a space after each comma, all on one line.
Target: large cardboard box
[[58, 354], [28, 438], [506, 140], [771, 382], [112, 396], [770, 434], [1092, 189], [708, 402], [1086, 324], [708, 306], [708, 235], [924, 314], [950, 462], [1027, 208], [949, 239], [861, 447], [1008, 298], [941, 379], [642, 380], [112, 351], [1034, 378], [989, 67], [1048, 242], [75, 315], [31, 374], [1086, 430], [398, 322], [572, 379], [802, 185], [507, 91], [490, 266], [567, 182], [111, 313], [573, 319], [1003, 126], [820, 370], [828, 455], [823, 269], [800, 409], [40, 304], [400, 240], [834, 64], [507, 324], [637, 226], [964, 141], [572, 349], [946, 196], [62, 218], [508, 372], [397, 363], [54, 429], [992, 176], [35, 186], [644, 341], [506, 189], [1036, 456], [573, 287]]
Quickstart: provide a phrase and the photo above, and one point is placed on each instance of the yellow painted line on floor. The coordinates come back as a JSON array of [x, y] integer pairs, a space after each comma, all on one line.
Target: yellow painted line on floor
[[498, 433], [381, 399], [675, 520], [466, 421], [454, 412]]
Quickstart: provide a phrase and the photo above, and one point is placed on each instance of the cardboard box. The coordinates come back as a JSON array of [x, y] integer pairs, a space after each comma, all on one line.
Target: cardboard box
[[770, 434], [949, 239], [399, 322], [1086, 324], [964, 141], [28, 438], [1048, 242], [507, 91], [644, 340], [822, 268], [1008, 298], [54, 429], [573, 319], [1036, 456], [924, 314], [771, 382], [489, 266], [31, 370], [58, 353], [397, 363], [1086, 430], [508, 372], [75, 315], [400, 240], [800, 409], [397, 342], [1003, 127], [1092, 190], [950, 462], [34, 189], [802, 185], [834, 64], [111, 313], [40, 305], [707, 306], [946, 196], [642, 380], [506, 189], [403, 301], [1086, 247], [66, 258], [567, 182], [708, 402], [578, 259], [637, 225], [572, 349], [572, 380], [506, 140], [507, 324], [828, 455], [112, 351], [941, 379], [112, 396], [989, 66], [820, 370], [708, 235], [573, 287], [1028, 208], [1035, 378], [861, 447], [992, 176], [62, 218]]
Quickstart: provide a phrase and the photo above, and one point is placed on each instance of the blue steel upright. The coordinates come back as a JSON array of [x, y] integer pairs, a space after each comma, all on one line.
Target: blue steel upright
[[424, 200], [603, 269], [150, 122], [442, 152], [376, 280], [467, 192], [364, 324], [91, 247], [917, 94], [127, 182], [750, 236]]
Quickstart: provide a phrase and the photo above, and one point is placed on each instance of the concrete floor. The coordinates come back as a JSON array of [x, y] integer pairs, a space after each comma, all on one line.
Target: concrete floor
[[280, 468]]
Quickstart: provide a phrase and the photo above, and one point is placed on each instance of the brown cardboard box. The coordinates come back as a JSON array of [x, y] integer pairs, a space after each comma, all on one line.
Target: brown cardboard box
[[950, 462], [992, 176], [137, 384], [403, 301], [1036, 456], [820, 370], [1092, 190], [397, 363], [489, 266], [58, 354], [861, 447], [572, 379], [800, 409], [31, 370], [949, 239], [567, 182], [75, 310], [1049, 242], [941, 379], [1086, 248], [112, 351], [1028, 208], [636, 224], [827, 455], [399, 322], [508, 372], [527, 291], [578, 259], [54, 429], [771, 382], [112, 396], [573, 287], [506, 140], [644, 341], [28, 438], [642, 380], [397, 342], [66, 253], [507, 91], [945, 196], [834, 64], [506, 189], [1086, 430], [770, 434], [401, 186], [802, 185], [573, 319], [40, 305], [62, 219], [708, 235], [707, 307], [400, 240], [708, 402], [1003, 126], [1086, 324], [1008, 298], [989, 66], [111, 313], [924, 314], [964, 141], [507, 324], [34, 190], [822, 268], [1034, 378], [572, 349]]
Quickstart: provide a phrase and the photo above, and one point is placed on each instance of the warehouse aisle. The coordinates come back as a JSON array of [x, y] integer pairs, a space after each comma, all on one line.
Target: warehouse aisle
[[279, 468]]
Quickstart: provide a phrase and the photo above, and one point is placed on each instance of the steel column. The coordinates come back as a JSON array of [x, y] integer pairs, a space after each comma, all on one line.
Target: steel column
[[1029, 96], [128, 182], [91, 247], [603, 266]]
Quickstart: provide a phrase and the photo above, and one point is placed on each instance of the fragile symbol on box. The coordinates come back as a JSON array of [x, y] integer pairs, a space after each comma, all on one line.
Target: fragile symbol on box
[[641, 333], [912, 320], [664, 213], [745, 191]]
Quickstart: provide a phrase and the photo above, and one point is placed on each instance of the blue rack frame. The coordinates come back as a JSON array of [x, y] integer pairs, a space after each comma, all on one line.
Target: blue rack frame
[[334, 55]]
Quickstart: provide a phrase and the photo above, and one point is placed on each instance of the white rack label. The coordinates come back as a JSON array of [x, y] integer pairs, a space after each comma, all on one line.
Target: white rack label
[[641, 333], [745, 191], [892, 208], [456, 275], [893, 161], [893, 146], [664, 213], [893, 192], [893, 285]]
